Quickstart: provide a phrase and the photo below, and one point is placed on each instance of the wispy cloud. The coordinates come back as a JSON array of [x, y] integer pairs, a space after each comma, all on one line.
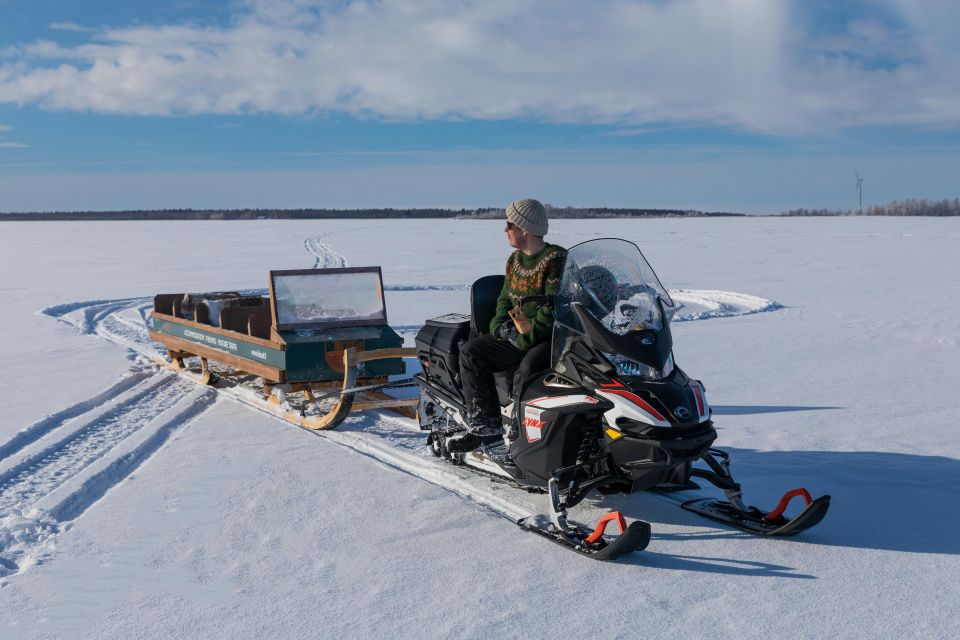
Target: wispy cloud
[[9, 145], [631, 132], [229, 125], [69, 26], [750, 64]]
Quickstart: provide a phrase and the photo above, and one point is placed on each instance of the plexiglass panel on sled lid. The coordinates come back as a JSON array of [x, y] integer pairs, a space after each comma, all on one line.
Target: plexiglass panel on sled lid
[[319, 298]]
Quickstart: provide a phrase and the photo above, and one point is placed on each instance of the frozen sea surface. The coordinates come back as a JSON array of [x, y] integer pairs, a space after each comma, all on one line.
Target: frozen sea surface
[[135, 505]]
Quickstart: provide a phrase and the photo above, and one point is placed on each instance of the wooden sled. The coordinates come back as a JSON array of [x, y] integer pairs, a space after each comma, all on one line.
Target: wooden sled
[[279, 352]]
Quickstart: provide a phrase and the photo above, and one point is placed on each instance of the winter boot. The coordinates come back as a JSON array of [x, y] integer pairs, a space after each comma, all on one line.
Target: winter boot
[[487, 432]]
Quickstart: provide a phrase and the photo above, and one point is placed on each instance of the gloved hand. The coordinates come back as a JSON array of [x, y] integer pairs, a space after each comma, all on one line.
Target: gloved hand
[[507, 331]]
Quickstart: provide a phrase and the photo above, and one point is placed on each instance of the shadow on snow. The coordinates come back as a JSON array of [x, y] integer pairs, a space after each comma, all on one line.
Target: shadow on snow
[[744, 410], [884, 501]]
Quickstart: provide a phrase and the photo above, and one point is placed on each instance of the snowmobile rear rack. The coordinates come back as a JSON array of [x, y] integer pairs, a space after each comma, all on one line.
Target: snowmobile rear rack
[[316, 329]]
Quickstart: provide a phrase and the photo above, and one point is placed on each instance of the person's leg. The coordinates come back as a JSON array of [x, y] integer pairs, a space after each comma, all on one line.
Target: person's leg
[[479, 359], [537, 358]]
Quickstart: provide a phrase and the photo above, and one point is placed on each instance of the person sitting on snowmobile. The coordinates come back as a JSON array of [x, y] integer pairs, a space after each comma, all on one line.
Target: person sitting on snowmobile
[[519, 335]]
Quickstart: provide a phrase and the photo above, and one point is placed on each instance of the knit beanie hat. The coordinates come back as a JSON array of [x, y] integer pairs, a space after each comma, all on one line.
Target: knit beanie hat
[[529, 215]]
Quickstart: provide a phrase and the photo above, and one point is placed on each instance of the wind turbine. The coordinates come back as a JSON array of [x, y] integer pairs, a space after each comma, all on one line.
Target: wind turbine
[[859, 189]]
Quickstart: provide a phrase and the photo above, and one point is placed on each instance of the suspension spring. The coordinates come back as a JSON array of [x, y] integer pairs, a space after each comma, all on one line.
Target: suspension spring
[[590, 446]]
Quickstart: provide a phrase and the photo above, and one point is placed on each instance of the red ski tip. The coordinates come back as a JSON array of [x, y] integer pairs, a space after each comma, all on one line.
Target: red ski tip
[[602, 525], [785, 500]]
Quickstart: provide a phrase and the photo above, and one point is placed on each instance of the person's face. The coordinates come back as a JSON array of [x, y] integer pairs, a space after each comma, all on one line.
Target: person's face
[[515, 235]]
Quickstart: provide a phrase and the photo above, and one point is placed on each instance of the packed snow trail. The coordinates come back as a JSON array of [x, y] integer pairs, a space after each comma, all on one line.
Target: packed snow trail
[[71, 459], [42, 427], [40, 474], [325, 257]]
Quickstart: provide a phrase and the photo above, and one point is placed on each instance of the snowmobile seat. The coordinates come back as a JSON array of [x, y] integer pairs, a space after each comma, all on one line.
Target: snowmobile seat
[[483, 303], [483, 306]]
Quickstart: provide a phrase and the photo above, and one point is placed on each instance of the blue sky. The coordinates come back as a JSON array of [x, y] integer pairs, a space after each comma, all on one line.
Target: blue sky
[[741, 105]]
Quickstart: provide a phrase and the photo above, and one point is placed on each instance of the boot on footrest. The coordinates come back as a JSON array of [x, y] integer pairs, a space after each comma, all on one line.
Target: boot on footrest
[[475, 436]]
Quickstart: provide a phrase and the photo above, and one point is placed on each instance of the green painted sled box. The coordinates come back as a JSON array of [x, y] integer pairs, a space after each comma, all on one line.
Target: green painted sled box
[[296, 334]]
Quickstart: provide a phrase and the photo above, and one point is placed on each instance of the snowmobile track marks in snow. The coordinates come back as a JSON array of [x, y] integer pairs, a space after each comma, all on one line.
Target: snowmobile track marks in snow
[[40, 474], [56, 420], [98, 443]]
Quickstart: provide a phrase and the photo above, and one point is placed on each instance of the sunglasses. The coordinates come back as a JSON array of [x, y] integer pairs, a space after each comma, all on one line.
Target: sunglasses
[[511, 226]]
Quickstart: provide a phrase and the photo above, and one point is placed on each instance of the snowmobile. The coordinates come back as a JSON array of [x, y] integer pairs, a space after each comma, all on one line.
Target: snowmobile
[[613, 413]]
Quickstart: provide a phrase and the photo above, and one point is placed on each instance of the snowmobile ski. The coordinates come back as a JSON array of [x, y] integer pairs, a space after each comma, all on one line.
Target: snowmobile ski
[[634, 537], [759, 522]]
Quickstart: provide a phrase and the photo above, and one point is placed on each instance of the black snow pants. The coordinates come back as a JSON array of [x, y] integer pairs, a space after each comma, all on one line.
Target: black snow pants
[[480, 358]]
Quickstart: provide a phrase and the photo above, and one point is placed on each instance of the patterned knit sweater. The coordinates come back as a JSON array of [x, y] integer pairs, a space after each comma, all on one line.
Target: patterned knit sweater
[[535, 275]]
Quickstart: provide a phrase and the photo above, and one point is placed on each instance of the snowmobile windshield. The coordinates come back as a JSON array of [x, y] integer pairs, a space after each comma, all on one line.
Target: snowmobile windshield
[[612, 281], [615, 284]]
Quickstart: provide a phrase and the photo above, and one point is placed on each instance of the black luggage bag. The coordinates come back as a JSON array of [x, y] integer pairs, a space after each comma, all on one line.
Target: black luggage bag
[[438, 348]]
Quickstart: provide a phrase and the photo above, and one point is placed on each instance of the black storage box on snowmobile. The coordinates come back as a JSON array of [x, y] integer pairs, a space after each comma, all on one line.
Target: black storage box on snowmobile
[[438, 348]]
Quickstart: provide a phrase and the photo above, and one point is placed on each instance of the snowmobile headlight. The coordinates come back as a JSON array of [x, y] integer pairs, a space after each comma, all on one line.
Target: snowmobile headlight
[[631, 368], [627, 367]]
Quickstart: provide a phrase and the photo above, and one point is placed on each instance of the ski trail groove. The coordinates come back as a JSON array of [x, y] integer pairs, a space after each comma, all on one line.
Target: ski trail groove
[[96, 486], [325, 257], [39, 475], [42, 427], [28, 533]]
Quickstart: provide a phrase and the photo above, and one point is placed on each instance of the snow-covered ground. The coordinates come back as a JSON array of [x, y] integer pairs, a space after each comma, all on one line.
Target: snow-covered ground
[[135, 504]]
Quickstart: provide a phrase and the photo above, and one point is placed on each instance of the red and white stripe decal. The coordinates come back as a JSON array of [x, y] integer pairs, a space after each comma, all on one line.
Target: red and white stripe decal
[[698, 394], [617, 388], [550, 402]]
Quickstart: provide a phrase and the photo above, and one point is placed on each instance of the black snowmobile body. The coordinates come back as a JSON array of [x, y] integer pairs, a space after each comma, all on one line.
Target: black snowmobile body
[[613, 412]]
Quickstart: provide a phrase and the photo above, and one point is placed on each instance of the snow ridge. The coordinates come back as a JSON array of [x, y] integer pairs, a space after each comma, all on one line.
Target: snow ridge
[[705, 304]]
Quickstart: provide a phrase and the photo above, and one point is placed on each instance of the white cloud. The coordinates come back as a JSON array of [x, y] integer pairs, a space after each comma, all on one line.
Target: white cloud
[[750, 64], [13, 145], [4, 128], [69, 26]]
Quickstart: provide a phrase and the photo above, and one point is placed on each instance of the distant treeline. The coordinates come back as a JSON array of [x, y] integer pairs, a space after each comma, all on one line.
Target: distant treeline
[[362, 214], [909, 207]]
